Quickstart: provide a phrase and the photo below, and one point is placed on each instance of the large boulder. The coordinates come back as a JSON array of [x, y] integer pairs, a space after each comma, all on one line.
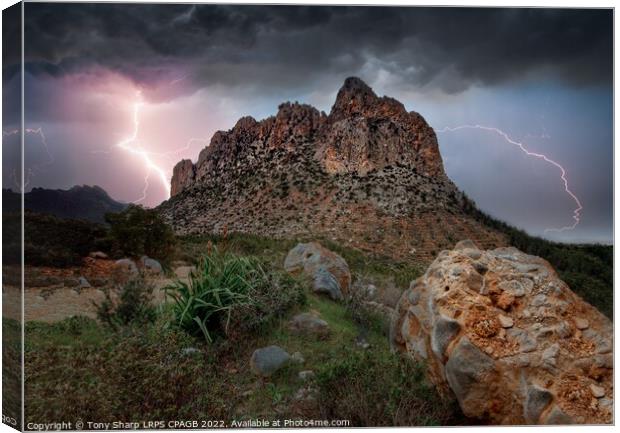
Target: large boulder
[[329, 272], [502, 333]]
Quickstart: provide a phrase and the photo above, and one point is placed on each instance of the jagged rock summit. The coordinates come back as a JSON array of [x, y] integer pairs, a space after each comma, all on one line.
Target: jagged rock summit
[[369, 174]]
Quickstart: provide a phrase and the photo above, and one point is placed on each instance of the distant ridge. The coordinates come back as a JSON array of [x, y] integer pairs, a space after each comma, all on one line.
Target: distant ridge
[[83, 202]]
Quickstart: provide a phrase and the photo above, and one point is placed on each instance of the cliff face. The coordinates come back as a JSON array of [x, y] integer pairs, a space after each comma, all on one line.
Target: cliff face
[[362, 133], [369, 173]]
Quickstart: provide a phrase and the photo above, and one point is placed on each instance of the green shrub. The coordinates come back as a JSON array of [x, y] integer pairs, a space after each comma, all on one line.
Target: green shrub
[[220, 281], [137, 231], [268, 299], [49, 240], [374, 388], [230, 294], [134, 306]]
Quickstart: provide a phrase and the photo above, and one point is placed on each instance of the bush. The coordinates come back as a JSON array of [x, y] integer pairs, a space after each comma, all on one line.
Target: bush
[[48, 240], [373, 388], [134, 306], [221, 281], [229, 294], [271, 298], [137, 231]]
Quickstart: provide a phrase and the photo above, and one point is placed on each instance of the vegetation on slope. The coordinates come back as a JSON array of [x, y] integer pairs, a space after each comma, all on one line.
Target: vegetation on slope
[[140, 369], [49, 240]]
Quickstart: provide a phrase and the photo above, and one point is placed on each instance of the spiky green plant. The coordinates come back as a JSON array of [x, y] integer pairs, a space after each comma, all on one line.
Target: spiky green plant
[[221, 282]]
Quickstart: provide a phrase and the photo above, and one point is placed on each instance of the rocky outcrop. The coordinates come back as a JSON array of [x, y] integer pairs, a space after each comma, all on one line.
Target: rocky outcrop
[[328, 271], [368, 174], [500, 331], [183, 176], [364, 133]]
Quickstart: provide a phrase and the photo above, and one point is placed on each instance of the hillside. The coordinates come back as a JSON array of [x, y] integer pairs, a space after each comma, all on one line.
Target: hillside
[[368, 175], [83, 202]]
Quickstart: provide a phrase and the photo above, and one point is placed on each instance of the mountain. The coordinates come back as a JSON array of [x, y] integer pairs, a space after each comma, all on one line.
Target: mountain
[[368, 174], [79, 202]]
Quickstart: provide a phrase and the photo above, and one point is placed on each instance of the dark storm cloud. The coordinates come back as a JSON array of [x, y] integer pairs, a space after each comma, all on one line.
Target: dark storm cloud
[[445, 48]]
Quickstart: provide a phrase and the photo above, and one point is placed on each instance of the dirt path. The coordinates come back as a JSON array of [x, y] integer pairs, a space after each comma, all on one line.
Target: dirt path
[[60, 300]]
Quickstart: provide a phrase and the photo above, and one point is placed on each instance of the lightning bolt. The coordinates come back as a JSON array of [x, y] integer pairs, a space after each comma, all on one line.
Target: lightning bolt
[[33, 170], [131, 145], [521, 146]]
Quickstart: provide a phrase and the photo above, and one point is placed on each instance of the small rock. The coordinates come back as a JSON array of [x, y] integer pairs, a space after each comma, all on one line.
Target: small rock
[[466, 244], [514, 287], [151, 265], [525, 340], [371, 290], [98, 255], [328, 271], [308, 323], [505, 321], [597, 391], [362, 343], [268, 360], [581, 323], [183, 272], [305, 394], [83, 283], [190, 351], [413, 296], [474, 281], [126, 265], [298, 358], [306, 375]]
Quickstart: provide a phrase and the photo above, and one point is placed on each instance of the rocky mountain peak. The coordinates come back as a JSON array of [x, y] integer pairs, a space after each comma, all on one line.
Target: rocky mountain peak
[[369, 173], [353, 96], [363, 133]]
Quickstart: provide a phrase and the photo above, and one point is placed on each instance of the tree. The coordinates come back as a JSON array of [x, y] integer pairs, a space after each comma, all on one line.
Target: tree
[[137, 231]]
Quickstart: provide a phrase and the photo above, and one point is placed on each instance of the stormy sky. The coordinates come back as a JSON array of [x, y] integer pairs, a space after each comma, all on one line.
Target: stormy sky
[[96, 74]]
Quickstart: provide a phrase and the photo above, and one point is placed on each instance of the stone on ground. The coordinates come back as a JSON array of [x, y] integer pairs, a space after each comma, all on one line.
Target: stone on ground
[[328, 271], [151, 265], [309, 324], [268, 360], [98, 255]]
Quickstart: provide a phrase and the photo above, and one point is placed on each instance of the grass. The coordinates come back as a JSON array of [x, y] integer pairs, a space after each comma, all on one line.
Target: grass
[[11, 372], [274, 251], [229, 293], [145, 370], [144, 373]]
